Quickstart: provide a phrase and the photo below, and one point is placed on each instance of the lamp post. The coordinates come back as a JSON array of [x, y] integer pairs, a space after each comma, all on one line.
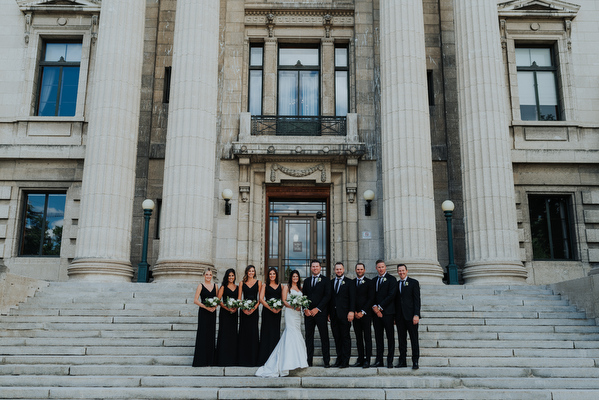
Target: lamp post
[[452, 268], [142, 267], [368, 196]]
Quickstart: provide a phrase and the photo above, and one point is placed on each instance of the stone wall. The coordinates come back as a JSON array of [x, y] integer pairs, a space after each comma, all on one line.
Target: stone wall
[[583, 292], [15, 289]]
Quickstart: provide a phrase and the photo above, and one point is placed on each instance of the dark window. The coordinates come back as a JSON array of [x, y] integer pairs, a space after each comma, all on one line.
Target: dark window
[[59, 79], [256, 65], [299, 81], [341, 81], [537, 84], [551, 227], [43, 219], [166, 94], [431, 88]]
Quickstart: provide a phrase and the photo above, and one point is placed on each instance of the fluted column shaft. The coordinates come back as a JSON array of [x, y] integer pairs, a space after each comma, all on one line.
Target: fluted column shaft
[[492, 250], [408, 199], [188, 192], [104, 234]]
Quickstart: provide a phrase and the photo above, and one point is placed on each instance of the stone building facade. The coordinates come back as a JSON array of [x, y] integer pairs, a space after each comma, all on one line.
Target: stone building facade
[[299, 109]]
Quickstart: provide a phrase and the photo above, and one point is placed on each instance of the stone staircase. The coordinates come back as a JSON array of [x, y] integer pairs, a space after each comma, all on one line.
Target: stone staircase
[[78, 340]]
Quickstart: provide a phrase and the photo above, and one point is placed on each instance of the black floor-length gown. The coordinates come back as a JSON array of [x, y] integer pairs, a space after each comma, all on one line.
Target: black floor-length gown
[[249, 342], [226, 349], [206, 335], [270, 331]]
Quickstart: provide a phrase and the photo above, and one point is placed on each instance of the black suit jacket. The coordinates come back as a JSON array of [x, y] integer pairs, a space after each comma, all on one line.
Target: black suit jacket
[[385, 295], [343, 301], [364, 295], [408, 301], [319, 294]]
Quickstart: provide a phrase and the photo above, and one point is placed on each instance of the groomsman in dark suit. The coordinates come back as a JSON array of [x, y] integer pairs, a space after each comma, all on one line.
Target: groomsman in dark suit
[[317, 288], [363, 316], [407, 315], [343, 303], [385, 287]]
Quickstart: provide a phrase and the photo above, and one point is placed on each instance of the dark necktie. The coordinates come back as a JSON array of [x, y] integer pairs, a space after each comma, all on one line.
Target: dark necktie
[[379, 283], [337, 284], [401, 283]]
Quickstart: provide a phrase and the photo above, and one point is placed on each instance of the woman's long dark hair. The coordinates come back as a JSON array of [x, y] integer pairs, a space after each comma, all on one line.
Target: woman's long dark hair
[[268, 276], [245, 275], [299, 282], [226, 279]]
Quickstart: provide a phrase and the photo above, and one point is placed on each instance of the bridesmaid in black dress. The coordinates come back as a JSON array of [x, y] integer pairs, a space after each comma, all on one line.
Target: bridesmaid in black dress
[[226, 350], [247, 350], [270, 331], [205, 337]]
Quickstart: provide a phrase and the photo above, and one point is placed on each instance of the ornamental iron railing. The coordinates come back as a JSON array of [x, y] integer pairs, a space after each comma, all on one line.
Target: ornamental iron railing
[[298, 126]]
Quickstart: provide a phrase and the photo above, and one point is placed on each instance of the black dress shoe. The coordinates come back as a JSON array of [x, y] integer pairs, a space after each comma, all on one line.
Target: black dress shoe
[[390, 365], [327, 365], [377, 364], [344, 365], [336, 365], [401, 364], [357, 364], [415, 365], [366, 364]]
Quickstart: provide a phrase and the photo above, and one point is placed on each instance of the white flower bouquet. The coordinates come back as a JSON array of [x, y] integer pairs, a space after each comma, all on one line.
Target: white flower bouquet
[[275, 304], [231, 303], [296, 300], [211, 302], [246, 304]]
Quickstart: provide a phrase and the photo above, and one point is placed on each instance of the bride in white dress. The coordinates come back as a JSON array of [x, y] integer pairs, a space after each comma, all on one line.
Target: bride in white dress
[[290, 352]]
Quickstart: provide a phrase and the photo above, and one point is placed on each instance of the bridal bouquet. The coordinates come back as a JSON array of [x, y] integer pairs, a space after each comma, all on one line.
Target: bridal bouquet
[[231, 303], [275, 304], [212, 302], [297, 300], [246, 304]]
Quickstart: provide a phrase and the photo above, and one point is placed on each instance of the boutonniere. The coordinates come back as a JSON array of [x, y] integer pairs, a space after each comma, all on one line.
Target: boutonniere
[[384, 279], [318, 280], [406, 283], [343, 282]]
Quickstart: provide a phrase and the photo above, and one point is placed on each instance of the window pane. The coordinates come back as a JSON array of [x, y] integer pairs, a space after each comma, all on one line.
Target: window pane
[[34, 224], [340, 57], [73, 53], [523, 57], [48, 91], [54, 223], [341, 93], [54, 51], [309, 92], [541, 56], [256, 92], [288, 56], [550, 228], [256, 56], [288, 92], [560, 229], [547, 95], [68, 91]]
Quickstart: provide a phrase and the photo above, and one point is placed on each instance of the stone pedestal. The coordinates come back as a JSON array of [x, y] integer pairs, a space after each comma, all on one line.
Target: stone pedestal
[[492, 248], [408, 201], [188, 192], [104, 234]]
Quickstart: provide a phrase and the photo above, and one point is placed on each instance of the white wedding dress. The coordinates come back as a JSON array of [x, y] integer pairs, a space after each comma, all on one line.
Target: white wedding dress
[[290, 352]]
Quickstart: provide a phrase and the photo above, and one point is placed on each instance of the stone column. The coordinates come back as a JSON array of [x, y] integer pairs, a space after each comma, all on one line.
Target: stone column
[[327, 49], [408, 204], [188, 192], [104, 234], [269, 65], [492, 249]]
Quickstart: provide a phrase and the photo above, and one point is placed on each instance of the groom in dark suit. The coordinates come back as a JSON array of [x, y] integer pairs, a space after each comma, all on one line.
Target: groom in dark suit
[[407, 315], [363, 316], [317, 288], [385, 287], [342, 307]]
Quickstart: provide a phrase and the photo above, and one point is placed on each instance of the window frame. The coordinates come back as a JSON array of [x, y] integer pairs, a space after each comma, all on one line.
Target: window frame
[[317, 68], [249, 78], [23, 221], [42, 64], [535, 69], [343, 69], [568, 200]]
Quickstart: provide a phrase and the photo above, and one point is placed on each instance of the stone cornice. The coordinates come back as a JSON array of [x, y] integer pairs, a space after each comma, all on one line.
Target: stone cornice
[[298, 17], [60, 5], [538, 9]]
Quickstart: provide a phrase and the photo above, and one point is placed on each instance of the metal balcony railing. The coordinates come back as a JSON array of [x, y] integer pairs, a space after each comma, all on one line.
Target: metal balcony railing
[[298, 126]]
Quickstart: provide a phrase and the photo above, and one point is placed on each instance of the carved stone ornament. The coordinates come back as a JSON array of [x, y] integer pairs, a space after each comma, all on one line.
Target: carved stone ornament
[[538, 8], [62, 5], [297, 173]]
